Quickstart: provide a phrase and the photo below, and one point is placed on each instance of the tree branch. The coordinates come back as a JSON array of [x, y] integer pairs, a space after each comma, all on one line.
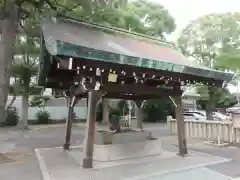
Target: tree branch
[[12, 91]]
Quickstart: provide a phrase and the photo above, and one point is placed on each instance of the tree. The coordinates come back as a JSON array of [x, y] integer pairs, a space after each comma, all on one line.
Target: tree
[[205, 38], [224, 99], [229, 61], [155, 19], [12, 14], [25, 70], [139, 16], [158, 109], [39, 101]]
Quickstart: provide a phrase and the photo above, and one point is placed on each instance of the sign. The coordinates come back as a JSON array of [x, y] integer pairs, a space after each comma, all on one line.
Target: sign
[[112, 77]]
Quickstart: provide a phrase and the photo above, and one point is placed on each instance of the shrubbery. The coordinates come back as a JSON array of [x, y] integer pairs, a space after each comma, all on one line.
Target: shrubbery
[[43, 117], [12, 117]]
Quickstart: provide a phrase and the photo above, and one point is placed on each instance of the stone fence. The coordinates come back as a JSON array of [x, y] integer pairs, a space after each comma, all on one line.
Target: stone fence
[[211, 130]]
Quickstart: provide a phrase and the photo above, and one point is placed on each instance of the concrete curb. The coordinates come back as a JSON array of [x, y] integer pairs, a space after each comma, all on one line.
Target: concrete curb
[[205, 154], [177, 170], [238, 178], [218, 173], [39, 127], [42, 166]]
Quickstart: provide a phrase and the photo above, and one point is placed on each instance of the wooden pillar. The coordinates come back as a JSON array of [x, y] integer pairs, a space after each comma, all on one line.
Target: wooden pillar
[[71, 104], [139, 113], [93, 98], [182, 143]]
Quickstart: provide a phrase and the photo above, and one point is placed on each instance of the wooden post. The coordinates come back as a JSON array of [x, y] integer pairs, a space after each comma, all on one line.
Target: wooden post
[[182, 143], [139, 113], [71, 104], [93, 97]]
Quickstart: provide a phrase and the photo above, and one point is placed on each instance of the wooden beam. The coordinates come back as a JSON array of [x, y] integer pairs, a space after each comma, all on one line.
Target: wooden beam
[[176, 77], [138, 89], [132, 97], [143, 95]]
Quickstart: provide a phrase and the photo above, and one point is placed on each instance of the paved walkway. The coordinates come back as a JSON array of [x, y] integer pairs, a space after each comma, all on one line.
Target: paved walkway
[[231, 168], [26, 167], [58, 165], [23, 167]]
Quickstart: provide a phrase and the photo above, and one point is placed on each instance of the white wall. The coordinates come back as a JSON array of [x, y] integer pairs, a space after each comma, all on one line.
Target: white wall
[[56, 107]]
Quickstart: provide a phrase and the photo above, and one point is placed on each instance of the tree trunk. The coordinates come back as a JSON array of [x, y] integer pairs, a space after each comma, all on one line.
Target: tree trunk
[[23, 124], [209, 114], [7, 40], [213, 99]]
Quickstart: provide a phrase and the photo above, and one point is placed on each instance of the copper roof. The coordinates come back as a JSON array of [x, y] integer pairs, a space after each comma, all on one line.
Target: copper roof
[[123, 43]]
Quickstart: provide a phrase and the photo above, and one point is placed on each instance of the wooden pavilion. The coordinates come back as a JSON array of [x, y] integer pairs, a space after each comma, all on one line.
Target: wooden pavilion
[[81, 59]]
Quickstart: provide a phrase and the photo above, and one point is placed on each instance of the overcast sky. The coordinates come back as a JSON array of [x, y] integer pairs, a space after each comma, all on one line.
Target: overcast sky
[[184, 11]]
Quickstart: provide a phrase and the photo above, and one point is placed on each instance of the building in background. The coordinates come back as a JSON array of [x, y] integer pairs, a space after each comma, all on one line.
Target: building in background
[[190, 97], [56, 107]]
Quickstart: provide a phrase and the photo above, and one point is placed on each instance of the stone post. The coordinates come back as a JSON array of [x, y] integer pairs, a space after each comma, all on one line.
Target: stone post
[[129, 113], [105, 105], [139, 113]]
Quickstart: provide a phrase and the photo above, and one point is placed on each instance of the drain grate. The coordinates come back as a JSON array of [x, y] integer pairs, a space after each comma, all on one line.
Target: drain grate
[[11, 157]]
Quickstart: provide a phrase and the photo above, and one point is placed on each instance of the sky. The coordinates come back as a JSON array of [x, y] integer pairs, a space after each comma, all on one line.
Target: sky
[[184, 11]]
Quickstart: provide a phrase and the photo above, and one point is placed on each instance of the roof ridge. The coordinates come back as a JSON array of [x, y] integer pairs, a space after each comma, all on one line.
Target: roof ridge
[[88, 23]]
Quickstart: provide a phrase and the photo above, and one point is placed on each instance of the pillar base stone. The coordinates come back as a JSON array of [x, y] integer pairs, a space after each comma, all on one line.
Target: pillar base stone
[[66, 146], [183, 153], [87, 163]]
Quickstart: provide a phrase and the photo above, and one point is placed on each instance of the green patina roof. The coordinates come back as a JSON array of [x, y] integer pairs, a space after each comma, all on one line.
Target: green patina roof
[[69, 37]]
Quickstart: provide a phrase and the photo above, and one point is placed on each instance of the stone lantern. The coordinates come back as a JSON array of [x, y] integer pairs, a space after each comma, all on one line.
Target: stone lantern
[[235, 112]]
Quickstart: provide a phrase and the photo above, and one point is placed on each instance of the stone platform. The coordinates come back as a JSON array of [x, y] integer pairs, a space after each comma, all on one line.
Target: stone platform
[[111, 146], [113, 152], [59, 165]]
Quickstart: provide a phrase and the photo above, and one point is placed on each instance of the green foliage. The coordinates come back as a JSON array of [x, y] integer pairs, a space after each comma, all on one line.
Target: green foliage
[[156, 20], [43, 117], [230, 61], [158, 109], [220, 98], [12, 117], [140, 16], [115, 112], [208, 35], [123, 107], [39, 101]]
